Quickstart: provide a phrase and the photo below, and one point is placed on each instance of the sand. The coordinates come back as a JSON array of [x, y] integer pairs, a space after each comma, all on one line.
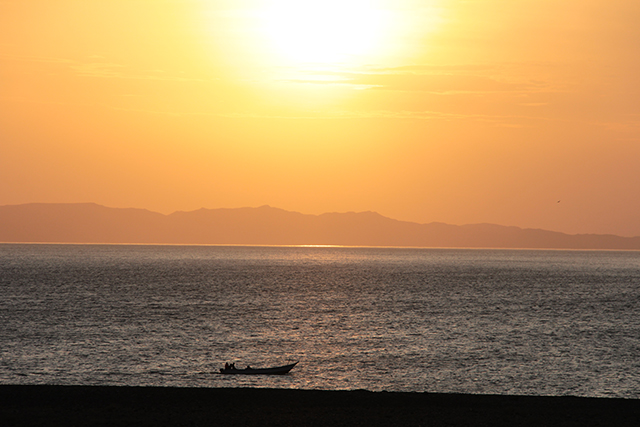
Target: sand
[[159, 406]]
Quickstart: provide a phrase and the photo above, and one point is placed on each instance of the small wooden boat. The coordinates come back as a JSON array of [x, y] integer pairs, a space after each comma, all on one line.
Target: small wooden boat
[[278, 370]]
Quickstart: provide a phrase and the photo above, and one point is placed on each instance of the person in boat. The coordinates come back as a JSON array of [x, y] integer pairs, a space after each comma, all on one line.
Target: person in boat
[[226, 365], [232, 366], [248, 367]]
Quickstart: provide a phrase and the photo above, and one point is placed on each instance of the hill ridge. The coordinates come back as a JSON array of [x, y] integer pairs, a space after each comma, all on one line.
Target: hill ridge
[[266, 225]]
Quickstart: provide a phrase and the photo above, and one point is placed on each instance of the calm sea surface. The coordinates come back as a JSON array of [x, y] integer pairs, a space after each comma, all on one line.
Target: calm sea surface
[[468, 321]]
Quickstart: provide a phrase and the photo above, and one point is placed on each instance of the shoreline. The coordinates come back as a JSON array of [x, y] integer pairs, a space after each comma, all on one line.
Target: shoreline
[[51, 405]]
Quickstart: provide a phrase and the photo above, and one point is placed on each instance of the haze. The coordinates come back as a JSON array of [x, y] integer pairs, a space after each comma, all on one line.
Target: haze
[[519, 112]]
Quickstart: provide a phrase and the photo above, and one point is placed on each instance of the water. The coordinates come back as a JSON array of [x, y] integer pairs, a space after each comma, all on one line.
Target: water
[[464, 321]]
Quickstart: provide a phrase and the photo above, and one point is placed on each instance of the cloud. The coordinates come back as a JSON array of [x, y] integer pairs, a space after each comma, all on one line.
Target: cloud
[[446, 79], [96, 66], [98, 69], [437, 83]]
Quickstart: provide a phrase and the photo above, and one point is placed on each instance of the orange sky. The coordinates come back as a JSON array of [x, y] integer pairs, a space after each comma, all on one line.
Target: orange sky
[[434, 110]]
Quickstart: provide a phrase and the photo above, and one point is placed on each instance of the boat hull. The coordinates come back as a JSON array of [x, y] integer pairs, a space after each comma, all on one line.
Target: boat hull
[[279, 370]]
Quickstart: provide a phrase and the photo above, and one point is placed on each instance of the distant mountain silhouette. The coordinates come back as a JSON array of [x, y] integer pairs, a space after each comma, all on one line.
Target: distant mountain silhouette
[[92, 223]]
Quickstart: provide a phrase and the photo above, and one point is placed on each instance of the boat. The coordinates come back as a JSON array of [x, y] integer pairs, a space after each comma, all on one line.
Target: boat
[[278, 370]]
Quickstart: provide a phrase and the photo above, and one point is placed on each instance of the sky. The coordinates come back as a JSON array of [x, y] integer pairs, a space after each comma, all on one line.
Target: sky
[[513, 112]]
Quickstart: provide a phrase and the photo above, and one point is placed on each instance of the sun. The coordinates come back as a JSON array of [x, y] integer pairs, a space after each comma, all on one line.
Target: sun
[[322, 32]]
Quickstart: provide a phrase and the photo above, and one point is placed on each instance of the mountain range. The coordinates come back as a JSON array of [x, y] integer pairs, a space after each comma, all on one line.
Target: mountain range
[[265, 225]]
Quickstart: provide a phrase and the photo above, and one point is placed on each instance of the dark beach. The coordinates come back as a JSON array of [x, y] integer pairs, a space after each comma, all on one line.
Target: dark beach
[[157, 406]]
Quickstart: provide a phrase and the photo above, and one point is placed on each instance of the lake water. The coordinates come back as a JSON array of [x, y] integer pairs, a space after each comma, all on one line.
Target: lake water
[[436, 320]]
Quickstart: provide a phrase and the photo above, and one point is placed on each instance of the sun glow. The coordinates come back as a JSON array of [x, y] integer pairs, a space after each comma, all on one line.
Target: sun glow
[[323, 32]]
